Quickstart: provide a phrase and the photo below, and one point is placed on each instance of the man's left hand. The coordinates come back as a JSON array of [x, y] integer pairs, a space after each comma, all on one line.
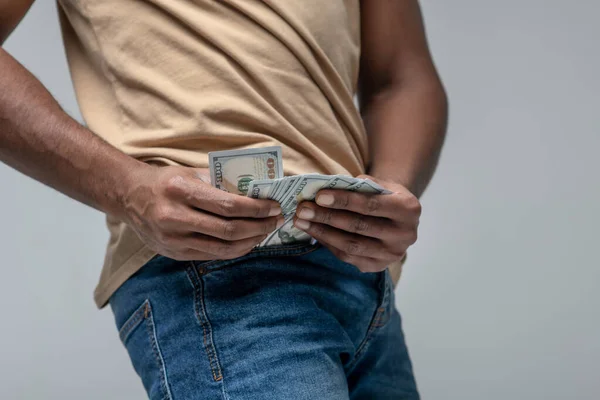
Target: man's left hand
[[369, 231]]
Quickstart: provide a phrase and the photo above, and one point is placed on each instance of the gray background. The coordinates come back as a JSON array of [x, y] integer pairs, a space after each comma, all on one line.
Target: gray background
[[499, 297]]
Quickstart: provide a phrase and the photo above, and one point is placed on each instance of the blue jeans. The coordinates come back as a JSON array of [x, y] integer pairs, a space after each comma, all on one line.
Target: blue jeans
[[287, 322]]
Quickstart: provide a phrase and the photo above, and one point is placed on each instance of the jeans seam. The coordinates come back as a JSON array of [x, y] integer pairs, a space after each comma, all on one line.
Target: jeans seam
[[157, 354], [202, 318], [134, 320], [376, 321]]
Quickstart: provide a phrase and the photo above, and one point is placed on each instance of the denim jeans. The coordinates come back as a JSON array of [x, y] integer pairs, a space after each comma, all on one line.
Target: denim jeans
[[288, 322]]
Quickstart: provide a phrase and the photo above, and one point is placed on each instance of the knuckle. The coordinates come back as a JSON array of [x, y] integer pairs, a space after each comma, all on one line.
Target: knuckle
[[412, 236], [178, 218], [261, 211], [343, 201], [360, 225], [317, 229], [413, 204], [325, 217], [175, 184], [230, 229], [227, 206], [354, 247], [163, 214], [373, 204]]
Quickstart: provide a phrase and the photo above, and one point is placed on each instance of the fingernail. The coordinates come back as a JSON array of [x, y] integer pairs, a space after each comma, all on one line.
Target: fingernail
[[276, 210], [325, 200], [306, 213], [302, 224], [280, 221]]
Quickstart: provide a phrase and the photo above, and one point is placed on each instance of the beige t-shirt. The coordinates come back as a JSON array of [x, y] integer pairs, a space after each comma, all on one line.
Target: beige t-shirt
[[167, 81]]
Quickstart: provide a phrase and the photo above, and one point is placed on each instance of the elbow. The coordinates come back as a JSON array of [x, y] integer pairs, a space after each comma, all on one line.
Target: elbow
[[429, 87], [428, 84]]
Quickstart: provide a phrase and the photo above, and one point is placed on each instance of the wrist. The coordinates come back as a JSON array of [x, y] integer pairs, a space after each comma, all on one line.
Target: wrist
[[131, 176]]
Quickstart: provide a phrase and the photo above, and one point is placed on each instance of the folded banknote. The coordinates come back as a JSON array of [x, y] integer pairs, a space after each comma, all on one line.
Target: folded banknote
[[258, 173]]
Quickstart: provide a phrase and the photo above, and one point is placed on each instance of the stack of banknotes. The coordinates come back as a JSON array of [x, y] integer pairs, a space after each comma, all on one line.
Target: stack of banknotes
[[258, 173]]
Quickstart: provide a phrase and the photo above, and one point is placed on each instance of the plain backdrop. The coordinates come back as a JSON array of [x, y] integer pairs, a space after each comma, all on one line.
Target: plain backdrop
[[500, 295]]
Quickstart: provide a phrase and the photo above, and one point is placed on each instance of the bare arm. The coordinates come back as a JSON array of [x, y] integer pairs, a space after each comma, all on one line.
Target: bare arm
[[402, 100], [39, 139], [174, 210], [404, 108], [11, 13]]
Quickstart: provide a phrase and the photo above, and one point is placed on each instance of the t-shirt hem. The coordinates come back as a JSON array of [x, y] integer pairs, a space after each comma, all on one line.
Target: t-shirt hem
[[106, 289]]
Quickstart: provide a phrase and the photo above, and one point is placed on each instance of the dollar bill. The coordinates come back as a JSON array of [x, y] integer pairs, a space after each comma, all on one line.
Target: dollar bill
[[287, 234], [258, 173], [233, 170], [340, 182], [259, 189], [367, 186], [295, 190], [378, 187], [305, 189], [292, 190], [285, 189]]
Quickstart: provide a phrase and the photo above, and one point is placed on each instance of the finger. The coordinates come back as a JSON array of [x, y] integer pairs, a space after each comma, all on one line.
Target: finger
[[208, 198], [349, 243], [364, 264], [376, 227], [220, 249], [228, 229], [394, 206], [187, 255]]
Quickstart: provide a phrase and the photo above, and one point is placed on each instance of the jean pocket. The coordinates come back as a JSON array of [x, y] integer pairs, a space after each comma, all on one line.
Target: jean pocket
[[138, 335]]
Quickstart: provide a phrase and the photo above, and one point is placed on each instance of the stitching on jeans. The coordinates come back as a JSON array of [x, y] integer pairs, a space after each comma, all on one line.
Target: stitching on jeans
[[382, 318], [377, 321], [161, 366], [202, 319], [132, 322], [207, 332]]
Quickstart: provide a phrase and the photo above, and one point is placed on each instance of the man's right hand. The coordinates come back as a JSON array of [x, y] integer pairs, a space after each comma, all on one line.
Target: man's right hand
[[175, 210], [178, 214]]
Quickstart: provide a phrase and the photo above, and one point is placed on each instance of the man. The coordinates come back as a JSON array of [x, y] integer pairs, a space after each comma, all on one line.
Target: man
[[160, 84]]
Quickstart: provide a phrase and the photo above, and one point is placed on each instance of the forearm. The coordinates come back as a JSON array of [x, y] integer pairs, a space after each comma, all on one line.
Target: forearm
[[39, 139], [406, 125]]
